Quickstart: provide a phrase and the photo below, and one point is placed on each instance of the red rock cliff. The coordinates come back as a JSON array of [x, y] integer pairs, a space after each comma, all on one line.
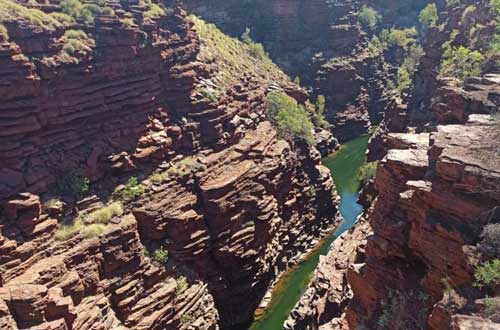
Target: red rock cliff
[[232, 203]]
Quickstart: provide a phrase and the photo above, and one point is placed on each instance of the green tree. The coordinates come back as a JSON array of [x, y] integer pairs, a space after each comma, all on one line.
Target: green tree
[[461, 62], [495, 4], [429, 15], [291, 120], [368, 17]]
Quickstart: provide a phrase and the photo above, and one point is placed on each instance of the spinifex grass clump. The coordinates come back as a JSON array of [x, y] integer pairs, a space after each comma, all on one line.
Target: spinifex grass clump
[[90, 224]]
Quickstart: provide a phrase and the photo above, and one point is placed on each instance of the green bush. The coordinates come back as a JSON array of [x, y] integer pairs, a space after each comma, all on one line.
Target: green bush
[[256, 49], [84, 12], [154, 11], [376, 46], [93, 230], [72, 185], [405, 72], [461, 62], [108, 11], [10, 11], [62, 18], [368, 17], [396, 37], [495, 5], [127, 22], [131, 190], [181, 285], [367, 171], [319, 113], [488, 274], [104, 214], [429, 15], [160, 255], [186, 319], [208, 94], [290, 119], [67, 231]]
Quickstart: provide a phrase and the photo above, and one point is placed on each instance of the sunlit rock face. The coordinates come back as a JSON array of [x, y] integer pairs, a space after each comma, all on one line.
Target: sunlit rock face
[[232, 203]]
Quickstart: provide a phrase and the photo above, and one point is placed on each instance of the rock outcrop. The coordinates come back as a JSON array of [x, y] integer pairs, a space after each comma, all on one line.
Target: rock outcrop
[[409, 261], [131, 118], [335, 58]]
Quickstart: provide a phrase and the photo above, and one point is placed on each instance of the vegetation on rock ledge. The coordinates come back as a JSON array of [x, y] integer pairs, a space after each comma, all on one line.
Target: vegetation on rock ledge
[[291, 119], [233, 58]]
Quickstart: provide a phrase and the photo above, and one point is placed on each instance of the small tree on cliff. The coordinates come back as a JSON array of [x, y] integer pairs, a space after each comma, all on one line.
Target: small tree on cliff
[[461, 62], [429, 16], [291, 120], [368, 17]]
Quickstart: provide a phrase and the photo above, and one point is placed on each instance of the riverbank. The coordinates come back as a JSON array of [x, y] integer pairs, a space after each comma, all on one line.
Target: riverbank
[[344, 166]]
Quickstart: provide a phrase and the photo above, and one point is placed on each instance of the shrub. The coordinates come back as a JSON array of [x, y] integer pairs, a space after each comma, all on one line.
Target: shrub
[[181, 285], [488, 274], [460, 62], [367, 171], [154, 11], [494, 46], [4, 33], [495, 5], [84, 12], [72, 185], [186, 319], [10, 11], [93, 230], [156, 178], [108, 11], [291, 120], [429, 15], [127, 22], [396, 37], [376, 46], [208, 94], [405, 72], [319, 113], [256, 49], [131, 190], [67, 231], [368, 17], [72, 8], [492, 308], [63, 18], [104, 214], [160, 255]]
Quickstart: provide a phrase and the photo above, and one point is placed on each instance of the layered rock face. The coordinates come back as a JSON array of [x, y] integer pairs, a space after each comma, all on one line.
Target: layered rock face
[[409, 262], [232, 203], [324, 44]]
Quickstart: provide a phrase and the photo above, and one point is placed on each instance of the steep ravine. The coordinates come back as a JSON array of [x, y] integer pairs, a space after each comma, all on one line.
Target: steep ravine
[[141, 185], [288, 290], [428, 227]]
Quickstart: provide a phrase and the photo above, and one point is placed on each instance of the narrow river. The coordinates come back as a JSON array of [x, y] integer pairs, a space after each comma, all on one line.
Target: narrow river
[[344, 165]]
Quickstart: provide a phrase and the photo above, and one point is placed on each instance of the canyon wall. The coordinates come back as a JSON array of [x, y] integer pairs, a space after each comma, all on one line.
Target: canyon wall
[[324, 43], [410, 261], [232, 203]]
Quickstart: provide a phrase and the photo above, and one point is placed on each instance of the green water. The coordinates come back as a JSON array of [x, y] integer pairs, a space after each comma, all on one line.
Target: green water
[[344, 166]]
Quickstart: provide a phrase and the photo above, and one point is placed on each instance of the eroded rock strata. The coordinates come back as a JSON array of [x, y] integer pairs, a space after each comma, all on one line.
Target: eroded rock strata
[[324, 43], [232, 203], [413, 253]]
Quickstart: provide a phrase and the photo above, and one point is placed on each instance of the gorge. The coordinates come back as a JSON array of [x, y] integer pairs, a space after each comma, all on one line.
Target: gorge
[[232, 165]]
